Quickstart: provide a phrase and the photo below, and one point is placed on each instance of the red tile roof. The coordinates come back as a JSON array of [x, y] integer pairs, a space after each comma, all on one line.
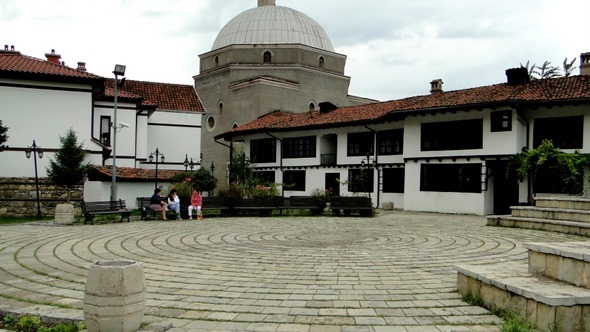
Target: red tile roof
[[166, 96], [16, 65], [565, 90], [129, 174]]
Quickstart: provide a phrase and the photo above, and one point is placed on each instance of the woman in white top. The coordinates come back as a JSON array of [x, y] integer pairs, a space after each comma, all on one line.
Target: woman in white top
[[174, 203]]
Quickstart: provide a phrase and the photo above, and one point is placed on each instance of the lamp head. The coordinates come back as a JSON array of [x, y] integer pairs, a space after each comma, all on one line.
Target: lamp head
[[119, 70]]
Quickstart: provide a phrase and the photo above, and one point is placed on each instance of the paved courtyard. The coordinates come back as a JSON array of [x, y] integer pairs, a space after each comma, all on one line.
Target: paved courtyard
[[388, 273]]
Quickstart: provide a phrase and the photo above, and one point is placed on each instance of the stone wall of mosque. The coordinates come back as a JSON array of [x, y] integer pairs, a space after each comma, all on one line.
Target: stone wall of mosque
[[18, 197]]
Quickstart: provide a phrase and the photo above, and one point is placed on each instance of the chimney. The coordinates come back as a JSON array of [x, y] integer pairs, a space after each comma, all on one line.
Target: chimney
[[585, 63], [9, 49], [262, 3], [53, 58], [517, 76], [436, 86], [81, 66]]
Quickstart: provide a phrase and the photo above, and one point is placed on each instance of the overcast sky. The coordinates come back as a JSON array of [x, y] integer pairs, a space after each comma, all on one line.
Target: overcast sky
[[394, 48]]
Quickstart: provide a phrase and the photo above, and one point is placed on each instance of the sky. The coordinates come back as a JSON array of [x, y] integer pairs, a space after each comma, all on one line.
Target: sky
[[394, 48]]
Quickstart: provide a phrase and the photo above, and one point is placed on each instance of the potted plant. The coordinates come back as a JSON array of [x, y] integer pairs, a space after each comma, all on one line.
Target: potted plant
[[67, 169]]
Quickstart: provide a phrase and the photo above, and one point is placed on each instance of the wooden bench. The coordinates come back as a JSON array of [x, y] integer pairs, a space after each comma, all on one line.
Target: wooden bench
[[348, 205], [299, 203], [144, 206], [264, 206], [215, 203], [92, 209]]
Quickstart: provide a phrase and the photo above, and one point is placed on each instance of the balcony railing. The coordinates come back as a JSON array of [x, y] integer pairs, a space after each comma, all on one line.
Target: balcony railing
[[328, 159]]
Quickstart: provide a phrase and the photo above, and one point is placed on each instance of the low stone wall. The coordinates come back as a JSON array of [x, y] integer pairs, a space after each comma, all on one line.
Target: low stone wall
[[18, 197]]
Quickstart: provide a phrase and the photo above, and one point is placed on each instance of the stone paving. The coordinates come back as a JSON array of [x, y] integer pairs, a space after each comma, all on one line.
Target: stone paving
[[392, 272]]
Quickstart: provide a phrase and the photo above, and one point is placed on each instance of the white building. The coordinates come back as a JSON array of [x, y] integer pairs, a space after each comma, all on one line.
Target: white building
[[443, 152], [42, 99]]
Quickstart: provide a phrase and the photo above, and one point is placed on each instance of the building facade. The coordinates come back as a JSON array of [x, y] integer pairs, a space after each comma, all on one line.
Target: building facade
[[443, 152], [43, 98]]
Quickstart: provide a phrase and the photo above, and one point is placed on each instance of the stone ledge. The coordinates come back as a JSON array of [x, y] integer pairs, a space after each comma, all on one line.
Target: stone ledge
[[580, 224], [574, 250], [515, 278]]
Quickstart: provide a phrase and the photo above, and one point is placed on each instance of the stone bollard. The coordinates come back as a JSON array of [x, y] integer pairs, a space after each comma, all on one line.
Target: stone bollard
[[115, 294]]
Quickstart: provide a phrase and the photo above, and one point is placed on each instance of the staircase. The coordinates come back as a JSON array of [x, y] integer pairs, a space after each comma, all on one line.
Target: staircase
[[569, 215], [551, 289]]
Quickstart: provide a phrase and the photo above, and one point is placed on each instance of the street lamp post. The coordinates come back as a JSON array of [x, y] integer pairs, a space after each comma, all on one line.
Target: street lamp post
[[158, 156], [186, 163], [368, 162], [119, 70], [36, 150], [212, 167]]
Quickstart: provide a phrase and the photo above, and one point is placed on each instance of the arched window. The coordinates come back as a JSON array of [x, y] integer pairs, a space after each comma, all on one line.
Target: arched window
[[311, 107], [322, 61], [220, 107], [267, 56], [216, 61]]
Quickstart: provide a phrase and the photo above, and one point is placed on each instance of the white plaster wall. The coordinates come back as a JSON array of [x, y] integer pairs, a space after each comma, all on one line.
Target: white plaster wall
[[41, 115], [128, 191], [446, 202], [176, 135]]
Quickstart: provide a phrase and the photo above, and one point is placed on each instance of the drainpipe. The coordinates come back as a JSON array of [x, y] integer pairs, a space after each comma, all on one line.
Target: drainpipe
[[375, 157], [280, 162]]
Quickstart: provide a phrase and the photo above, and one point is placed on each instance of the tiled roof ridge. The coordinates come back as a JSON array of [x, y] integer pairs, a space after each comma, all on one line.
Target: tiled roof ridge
[[151, 82], [48, 63]]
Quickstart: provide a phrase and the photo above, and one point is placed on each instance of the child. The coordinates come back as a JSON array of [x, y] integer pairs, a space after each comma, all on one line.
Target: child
[[196, 203]]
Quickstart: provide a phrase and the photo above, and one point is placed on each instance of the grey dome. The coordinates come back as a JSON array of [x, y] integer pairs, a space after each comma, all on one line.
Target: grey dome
[[273, 25]]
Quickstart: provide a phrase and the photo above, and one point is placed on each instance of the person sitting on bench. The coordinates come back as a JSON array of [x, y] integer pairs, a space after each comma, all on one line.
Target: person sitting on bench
[[196, 203], [158, 204], [174, 202]]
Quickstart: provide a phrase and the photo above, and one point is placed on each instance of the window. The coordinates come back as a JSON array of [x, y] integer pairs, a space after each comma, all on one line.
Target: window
[[452, 135], [299, 147], [294, 180], [465, 178], [566, 133], [264, 177], [267, 57], [105, 130], [360, 180], [393, 180], [360, 144], [322, 61], [216, 61], [210, 122], [263, 150], [391, 142], [501, 121]]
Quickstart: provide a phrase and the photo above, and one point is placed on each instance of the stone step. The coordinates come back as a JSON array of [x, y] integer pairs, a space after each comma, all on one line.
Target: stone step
[[550, 304], [568, 202], [568, 261], [551, 213], [567, 227]]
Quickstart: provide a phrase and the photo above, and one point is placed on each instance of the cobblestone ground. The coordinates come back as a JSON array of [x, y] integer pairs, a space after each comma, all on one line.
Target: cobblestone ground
[[392, 272]]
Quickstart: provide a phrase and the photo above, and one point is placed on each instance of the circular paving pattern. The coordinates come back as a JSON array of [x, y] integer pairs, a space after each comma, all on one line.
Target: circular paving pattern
[[392, 272]]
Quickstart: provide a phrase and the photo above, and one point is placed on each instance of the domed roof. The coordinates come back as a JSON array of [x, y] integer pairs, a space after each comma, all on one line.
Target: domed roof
[[273, 25]]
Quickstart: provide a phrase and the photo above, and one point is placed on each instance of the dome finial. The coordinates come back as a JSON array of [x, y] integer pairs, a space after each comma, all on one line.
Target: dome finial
[[266, 3]]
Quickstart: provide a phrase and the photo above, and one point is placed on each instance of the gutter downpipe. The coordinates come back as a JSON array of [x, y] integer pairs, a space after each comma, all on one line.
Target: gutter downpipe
[[375, 154], [280, 162]]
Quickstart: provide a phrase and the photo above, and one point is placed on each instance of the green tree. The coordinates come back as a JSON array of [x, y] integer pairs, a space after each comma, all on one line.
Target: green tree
[[68, 168], [3, 136], [548, 163], [568, 67], [241, 171]]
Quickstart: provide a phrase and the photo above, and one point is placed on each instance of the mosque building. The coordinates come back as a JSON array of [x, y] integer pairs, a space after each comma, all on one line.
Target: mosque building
[[269, 58]]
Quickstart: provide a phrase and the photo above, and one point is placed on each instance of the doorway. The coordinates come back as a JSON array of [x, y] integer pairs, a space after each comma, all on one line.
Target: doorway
[[331, 184]]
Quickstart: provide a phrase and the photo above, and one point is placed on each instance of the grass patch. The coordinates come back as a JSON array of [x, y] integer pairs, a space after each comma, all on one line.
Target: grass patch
[[29, 323]]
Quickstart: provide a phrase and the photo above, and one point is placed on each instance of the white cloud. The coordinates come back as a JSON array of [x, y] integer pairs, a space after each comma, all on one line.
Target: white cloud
[[394, 48]]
